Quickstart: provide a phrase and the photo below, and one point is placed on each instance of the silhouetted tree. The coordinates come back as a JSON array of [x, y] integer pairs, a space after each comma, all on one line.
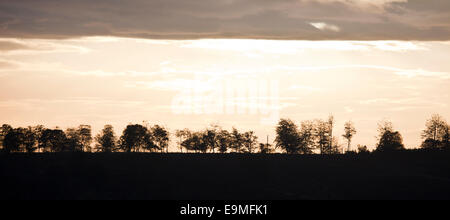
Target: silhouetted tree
[[210, 139], [182, 135], [78, 139], [349, 131], [196, 142], [189, 142], [38, 131], [136, 138], [307, 137], [335, 147], [29, 138], [250, 141], [223, 141], [85, 132], [330, 132], [12, 141], [288, 137], [291, 139], [237, 141], [4, 130], [389, 140], [436, 132], [160, 137], [73, 140], [201, 142], [430, 144], [383, 127], [363, 149], [106, 139], [53, 140], [446, 139], [265, 148], [323, 137], [20, 140]]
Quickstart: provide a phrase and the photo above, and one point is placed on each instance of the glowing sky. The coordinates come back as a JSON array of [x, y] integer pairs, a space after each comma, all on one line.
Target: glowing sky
[[110, 80], [65, 63]]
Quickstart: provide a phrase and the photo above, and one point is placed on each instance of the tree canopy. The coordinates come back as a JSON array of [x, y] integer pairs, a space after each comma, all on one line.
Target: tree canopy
[[389, 140], [436, 133], [288, 137], [310, 136]]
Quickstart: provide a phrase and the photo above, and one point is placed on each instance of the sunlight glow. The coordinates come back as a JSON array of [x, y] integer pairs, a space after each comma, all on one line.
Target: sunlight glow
[[98, 83]]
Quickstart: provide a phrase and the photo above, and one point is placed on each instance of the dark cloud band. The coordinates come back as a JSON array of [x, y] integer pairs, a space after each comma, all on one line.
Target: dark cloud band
[[256, 19]]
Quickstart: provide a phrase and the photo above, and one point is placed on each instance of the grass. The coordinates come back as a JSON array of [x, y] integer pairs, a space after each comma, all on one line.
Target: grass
[[403, 175]]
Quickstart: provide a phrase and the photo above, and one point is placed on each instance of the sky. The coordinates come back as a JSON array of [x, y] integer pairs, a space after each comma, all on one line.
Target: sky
[[241, 63]]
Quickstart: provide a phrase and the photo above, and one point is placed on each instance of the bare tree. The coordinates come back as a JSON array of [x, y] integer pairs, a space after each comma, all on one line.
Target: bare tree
[[330, 130], [322, 132], [307, 137], [383, 127], [182, 135], [349, 132], [237, 140], [266, 148], [38, 130], [436, 132], [250, 141], [336, 147]]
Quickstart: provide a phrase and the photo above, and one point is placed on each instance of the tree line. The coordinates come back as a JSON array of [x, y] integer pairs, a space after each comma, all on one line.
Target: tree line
[[311, 136]]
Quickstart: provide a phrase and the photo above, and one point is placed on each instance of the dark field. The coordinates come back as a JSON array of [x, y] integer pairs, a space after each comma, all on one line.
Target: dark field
[[404, 175]]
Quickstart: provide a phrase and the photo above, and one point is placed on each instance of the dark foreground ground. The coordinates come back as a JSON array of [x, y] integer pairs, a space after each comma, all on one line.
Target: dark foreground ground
[[405, 175]]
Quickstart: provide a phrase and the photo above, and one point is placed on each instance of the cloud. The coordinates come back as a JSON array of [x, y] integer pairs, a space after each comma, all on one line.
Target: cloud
[[15, 46], [361, 2], [6, 45], [402, 102], [325, 27], [294, 47], [423, 73], [304, 88], [7, 64], [410, 73], [74, 100], [348, 109], [174, 85], [255, 19], [102, 73]]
